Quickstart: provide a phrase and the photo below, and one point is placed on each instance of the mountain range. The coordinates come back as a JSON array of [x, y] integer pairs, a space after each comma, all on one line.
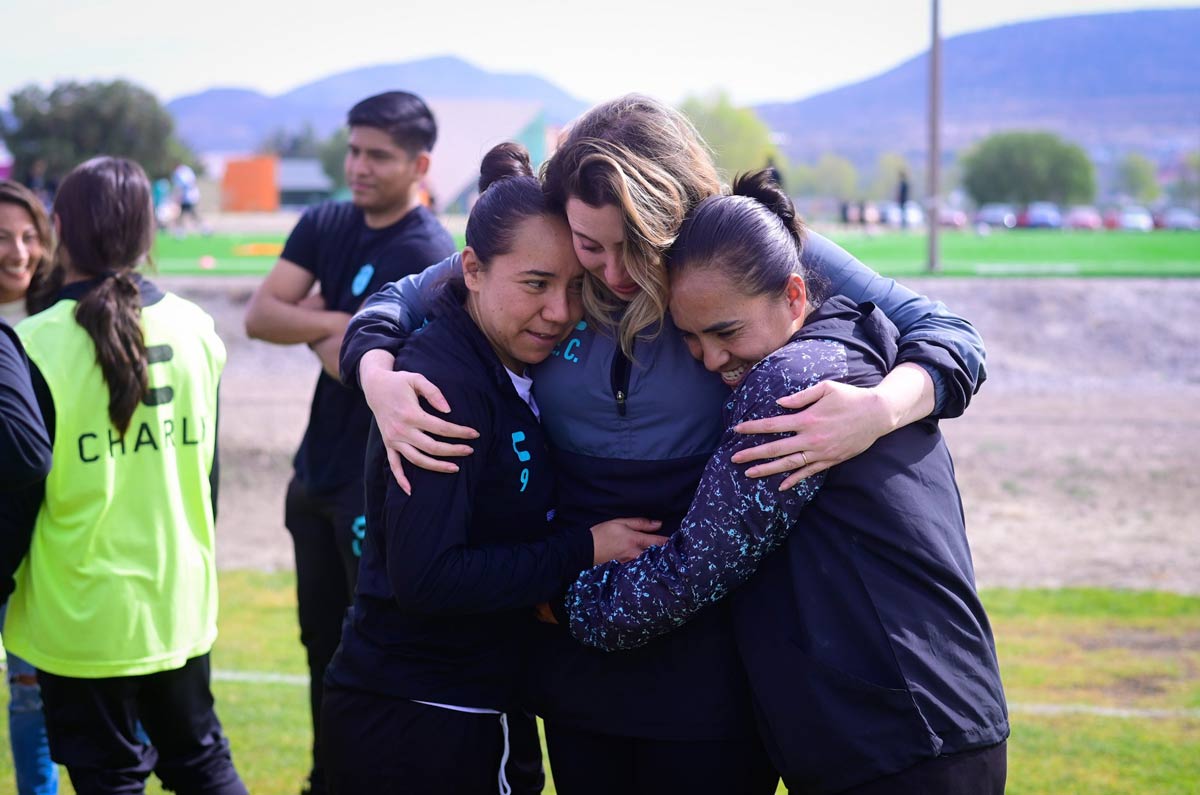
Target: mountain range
[[235, 119], [1112, 82]]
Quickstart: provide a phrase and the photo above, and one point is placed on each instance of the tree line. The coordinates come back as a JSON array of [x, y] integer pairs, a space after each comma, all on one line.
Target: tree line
[[73, 121], [1013, 167]]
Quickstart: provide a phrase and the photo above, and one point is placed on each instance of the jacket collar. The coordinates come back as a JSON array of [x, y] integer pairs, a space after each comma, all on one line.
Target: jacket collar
[[150, 292], [450, 307]]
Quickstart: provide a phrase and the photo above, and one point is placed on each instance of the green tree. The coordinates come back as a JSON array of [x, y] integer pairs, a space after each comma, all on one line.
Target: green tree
[[886, 178], [1186, 187], [740, 140], [293, 143], [1137, 177], [835, 177], [1022, 167], [75, 121], [333, 156], [800, 179]]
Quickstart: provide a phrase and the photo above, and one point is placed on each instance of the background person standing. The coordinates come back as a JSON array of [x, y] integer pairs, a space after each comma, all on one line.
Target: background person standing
[[116, 601], [352, 249]]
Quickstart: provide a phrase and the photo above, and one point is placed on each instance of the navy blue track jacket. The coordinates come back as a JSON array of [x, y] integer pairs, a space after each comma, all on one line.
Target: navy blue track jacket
[[866, 647], [449, 576], [24, 444]]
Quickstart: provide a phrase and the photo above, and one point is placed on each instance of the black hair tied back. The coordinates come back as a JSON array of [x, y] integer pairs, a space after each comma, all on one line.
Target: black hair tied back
[[504, 160], [508, 194], [762, 187]]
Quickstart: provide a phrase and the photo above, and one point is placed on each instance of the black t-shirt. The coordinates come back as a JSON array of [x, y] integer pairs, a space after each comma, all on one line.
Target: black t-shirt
[[352, 261]]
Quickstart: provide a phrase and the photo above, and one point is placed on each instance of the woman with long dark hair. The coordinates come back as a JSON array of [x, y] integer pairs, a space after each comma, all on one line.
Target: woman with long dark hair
[[116, 601]]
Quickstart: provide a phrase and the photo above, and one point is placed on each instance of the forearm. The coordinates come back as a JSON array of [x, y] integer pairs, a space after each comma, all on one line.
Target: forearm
[[921, 322], [326, 351], [272, 320], [373, 369], [906, 395]]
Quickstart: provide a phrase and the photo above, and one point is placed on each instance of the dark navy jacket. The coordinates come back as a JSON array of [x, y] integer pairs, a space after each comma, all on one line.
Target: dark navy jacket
[[449, 576], [643, 456], [25, 454], [24, 444], [864, 641]]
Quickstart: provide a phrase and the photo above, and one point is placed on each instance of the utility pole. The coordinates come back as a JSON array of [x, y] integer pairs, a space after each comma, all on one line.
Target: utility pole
[[933, 203]]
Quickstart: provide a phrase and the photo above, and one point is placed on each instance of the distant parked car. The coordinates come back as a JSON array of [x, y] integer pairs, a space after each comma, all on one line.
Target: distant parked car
[[1041, 215], [997, 215], [1083, 217], [1181, 218], [890, 214], [951, 218], [1136, 219]]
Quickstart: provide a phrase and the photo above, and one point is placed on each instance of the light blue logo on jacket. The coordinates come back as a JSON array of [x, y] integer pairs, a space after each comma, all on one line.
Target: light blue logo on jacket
[[522, 456], [362, 279], [569, 349]]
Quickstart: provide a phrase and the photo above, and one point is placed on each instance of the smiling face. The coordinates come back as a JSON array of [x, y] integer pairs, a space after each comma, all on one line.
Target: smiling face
[[20, 251], [528, 300], [730, 331], [598, 235], [381, 175]]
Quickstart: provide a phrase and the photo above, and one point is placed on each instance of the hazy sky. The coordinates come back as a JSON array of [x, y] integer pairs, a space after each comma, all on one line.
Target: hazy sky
[[757, 50]]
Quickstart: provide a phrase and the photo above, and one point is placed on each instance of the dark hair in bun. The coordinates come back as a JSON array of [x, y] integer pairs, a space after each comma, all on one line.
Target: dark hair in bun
[[508, 194], [754, 236]]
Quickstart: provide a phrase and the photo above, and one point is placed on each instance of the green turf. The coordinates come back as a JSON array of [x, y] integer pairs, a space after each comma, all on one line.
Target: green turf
[[1057, 647], [964, 253], [1033, 253]]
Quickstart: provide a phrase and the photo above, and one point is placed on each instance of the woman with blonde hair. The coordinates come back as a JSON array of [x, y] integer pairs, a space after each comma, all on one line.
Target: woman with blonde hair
[[632, 419]]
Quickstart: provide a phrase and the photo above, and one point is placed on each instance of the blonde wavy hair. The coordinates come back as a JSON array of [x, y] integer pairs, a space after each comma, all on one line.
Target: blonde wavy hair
[[646, 159]]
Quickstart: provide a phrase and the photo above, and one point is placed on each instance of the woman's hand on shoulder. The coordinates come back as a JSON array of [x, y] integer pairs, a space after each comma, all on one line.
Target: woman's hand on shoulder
[[406, 428], [623, 540], [839, 422]]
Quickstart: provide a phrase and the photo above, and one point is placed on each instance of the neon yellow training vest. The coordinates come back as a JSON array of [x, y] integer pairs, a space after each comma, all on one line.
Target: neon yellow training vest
[[120, 579]]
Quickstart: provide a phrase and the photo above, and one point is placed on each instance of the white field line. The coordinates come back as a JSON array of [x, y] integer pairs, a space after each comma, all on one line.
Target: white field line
[[1102, 712], [271, 678], [260, 677], [1032, 268]]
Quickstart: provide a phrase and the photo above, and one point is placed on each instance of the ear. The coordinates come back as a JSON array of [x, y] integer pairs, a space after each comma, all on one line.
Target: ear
[[797, 296], [472, 269], [421, 163]]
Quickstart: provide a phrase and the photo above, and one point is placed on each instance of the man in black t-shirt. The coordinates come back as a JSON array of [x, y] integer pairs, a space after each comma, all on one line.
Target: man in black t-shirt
[[350, 249]]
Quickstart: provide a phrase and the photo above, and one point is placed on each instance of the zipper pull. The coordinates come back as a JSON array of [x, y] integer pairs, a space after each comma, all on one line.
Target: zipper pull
[[621, 402]]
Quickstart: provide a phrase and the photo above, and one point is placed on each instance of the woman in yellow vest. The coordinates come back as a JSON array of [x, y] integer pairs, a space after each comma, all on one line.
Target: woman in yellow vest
[[116, 602]]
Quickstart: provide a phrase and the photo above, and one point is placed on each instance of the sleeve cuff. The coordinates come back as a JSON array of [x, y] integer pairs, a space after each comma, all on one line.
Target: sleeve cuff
[[939, 388]]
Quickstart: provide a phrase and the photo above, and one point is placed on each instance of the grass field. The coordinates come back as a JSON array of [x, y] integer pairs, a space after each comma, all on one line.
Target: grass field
[[1009, 253], [1104, 688]]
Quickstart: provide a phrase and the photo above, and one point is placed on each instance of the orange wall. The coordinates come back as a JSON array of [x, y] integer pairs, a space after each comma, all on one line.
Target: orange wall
[[249, 185]]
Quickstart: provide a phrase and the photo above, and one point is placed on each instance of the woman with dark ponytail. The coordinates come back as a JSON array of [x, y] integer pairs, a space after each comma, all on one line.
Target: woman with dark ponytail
[[419, 695], [116, 601], [870, 658]]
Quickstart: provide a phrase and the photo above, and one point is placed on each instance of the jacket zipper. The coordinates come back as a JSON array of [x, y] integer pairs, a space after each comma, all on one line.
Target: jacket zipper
[[619, 378]]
